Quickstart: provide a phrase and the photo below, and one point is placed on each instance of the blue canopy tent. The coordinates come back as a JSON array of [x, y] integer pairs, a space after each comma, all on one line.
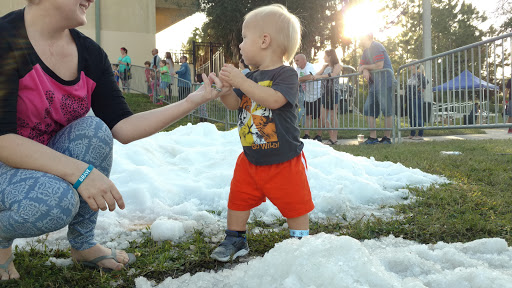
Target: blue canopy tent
[[459, 104], [465, 81]]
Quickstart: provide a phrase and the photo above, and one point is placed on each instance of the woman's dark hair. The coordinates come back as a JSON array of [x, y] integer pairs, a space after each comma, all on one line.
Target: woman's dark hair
[[168, 57], [333, 58], [242, 61]]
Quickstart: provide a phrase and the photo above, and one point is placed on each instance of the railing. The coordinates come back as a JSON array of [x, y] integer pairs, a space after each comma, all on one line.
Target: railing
[[214, 65], [463, 88], [345, 102], [138, 80], [473, 100]]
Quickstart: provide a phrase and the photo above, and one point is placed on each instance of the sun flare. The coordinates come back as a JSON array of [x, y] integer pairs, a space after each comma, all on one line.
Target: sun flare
[[362, 19]]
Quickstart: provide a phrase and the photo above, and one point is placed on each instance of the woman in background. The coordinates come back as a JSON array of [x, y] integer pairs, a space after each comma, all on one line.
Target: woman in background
[[330, 95]]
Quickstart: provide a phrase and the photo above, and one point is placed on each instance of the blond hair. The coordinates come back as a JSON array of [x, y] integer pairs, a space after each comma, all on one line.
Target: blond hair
[[281, 21]]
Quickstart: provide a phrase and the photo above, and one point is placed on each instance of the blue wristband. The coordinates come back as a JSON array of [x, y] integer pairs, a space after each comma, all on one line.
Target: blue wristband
[[299, 233], [83, 176]]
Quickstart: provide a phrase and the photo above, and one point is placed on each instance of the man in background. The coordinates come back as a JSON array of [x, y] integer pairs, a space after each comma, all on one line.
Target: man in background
[[183, 78], [309, 94], [375, 57]]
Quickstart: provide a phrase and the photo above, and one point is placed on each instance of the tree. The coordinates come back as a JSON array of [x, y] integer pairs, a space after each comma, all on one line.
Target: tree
[[225, 19], [454, 24]]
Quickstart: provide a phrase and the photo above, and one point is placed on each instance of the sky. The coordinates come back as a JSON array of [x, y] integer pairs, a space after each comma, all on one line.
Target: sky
[[173, 37], [169, 182]]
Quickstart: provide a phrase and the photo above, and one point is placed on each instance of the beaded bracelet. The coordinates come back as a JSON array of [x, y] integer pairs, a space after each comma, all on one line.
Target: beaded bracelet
[[83, 176]]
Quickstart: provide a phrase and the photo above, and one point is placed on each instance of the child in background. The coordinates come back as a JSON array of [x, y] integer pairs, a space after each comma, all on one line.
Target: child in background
[[164, 78], [147, 72], [272, 164], [115, 69]]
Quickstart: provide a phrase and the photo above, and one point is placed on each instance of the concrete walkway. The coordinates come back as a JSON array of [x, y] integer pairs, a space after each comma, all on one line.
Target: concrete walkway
[[499, 133]]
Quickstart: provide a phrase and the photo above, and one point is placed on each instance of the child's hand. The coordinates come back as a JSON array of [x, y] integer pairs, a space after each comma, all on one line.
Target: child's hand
[[232, 75], [206, 92], [225, 85]]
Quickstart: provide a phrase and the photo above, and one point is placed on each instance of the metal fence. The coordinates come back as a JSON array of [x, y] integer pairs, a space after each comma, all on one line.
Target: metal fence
[[159, 87], [214, 65], [341, 103], [461, 88], [333, 104]]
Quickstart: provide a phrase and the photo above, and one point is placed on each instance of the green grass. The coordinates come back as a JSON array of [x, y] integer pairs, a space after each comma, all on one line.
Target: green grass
[[477, 204]]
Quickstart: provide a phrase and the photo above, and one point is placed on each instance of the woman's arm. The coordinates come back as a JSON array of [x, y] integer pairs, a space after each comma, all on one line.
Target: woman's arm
[[22, 153], [321, 70], [336, 71], [147, 123]]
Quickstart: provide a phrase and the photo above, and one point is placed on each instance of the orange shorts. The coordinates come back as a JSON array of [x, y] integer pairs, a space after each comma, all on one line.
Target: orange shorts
[[284, 184]]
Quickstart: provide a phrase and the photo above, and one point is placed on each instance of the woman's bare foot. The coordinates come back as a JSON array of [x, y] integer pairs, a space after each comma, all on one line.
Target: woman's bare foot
[[97, 251], [11, 272]]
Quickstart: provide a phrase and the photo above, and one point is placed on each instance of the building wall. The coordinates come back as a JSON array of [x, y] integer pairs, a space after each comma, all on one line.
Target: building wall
[[124, 23]]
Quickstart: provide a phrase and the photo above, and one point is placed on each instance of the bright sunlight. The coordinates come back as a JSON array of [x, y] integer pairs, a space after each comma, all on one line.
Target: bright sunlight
[[363, 19]]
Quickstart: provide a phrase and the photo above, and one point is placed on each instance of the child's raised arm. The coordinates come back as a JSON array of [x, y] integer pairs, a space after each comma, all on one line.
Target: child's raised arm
[[264, 96]]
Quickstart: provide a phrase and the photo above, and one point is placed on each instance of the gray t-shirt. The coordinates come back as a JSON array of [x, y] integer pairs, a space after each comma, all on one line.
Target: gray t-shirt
[[270, 136]]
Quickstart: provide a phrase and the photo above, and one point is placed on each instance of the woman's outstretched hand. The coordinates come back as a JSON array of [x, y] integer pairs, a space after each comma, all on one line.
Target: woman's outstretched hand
[[207, 91]]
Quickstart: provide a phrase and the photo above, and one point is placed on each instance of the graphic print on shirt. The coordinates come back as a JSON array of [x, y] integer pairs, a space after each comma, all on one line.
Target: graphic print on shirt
[[62, 104], [256, 126]]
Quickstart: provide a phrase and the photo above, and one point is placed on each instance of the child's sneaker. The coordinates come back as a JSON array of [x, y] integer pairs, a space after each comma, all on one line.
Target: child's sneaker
[[385, 140], [231, 248], [371, 141]]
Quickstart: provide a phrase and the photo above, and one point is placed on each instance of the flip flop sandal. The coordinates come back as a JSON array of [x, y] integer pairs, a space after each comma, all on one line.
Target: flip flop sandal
[[332, 142], [94, 262], [5, 266]]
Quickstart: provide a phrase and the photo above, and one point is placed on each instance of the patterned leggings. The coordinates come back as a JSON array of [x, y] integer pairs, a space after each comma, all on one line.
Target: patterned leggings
[[34, 203]]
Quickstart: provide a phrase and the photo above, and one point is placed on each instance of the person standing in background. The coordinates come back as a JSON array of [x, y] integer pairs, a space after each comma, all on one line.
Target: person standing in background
[[416, 85], [164, 79], [125, 63], [170, 62], [330, 95], [155, 66], [375, 57], [183, 78], [170, 66], [155, 61], [242, 66], [115, 69], [311, 91], [147, 73]]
